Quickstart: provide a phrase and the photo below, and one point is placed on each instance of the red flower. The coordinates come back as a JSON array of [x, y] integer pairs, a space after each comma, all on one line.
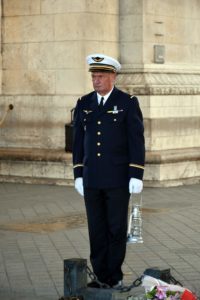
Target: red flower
[[187, 295]]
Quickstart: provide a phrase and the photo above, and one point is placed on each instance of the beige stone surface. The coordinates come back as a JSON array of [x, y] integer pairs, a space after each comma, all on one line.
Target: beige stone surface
[[62, 6], [0, 81], [70, 81], [75, 26], [36, 121], [68, 6], [174, 142], [24, 29], [170, 106], [40, 170], [29, 82], [131, 32], [43, 72], [36, 166], [173, 171], [21, 7]]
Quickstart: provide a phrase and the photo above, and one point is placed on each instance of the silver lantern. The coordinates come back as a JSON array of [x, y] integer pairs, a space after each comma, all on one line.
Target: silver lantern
[[134, 234]]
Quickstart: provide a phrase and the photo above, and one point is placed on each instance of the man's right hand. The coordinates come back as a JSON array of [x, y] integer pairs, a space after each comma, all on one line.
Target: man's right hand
[[79, 185]]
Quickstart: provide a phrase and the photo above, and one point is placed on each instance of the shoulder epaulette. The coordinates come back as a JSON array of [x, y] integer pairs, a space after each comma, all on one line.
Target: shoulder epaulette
[[133, 96]]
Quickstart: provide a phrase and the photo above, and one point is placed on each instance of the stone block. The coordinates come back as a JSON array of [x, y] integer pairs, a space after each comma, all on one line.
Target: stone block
[[34, 165], [172, 133], [110, 48], [185, 9], [172, 106], [55, 55], [21, 7], [181, 170], [48, 170], [99, 27], [177, 126], [67, 6], [104, 7], [173, 173], [1, 73], [152, 172], [62, 6], [70, 81], [19, 168], [131, 53], [131, 7], [174, 142], [69, 27], [172, 167], [4, 168], [174, 112], [68, 172], [36, 121], [28, 29], [159, 8], [29, 82], [15, 56], [74, 27], [131, 28]]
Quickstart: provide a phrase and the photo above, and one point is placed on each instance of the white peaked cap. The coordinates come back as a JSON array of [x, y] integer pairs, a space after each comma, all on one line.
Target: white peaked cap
[[101, 62]]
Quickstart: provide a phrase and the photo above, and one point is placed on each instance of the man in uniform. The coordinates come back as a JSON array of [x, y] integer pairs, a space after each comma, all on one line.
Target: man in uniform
[[108, 160]]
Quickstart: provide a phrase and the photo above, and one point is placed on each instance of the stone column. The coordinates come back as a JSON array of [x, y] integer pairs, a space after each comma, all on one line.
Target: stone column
[[160, 56]]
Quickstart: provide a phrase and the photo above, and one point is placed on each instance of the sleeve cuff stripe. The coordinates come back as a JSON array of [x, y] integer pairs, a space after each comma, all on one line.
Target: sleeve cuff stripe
[[136, 166], [78, 165]]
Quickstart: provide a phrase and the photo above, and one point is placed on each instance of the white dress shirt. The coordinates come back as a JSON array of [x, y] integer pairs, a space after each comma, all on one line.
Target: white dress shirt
[[105, 97]]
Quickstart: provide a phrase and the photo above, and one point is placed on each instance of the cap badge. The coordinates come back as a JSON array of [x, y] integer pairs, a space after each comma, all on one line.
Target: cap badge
[[98, 59]]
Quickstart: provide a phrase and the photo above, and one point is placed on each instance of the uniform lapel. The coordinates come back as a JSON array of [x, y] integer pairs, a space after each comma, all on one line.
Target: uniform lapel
[[94, 102]]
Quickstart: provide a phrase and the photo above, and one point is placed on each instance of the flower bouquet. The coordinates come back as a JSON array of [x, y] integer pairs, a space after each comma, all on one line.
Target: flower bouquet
[[156, 289]]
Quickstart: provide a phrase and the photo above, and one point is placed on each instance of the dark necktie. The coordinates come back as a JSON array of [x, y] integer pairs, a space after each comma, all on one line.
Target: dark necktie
[[101, 103]]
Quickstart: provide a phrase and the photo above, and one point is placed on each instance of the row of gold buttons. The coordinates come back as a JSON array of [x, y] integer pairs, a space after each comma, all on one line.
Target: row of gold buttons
[[98, 143]]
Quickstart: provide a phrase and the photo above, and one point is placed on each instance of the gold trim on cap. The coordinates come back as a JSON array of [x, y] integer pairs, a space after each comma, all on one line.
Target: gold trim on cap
[[99, 67]]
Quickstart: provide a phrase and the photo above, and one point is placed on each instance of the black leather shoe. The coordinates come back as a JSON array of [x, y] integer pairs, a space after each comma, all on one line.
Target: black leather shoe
[[93, 284]]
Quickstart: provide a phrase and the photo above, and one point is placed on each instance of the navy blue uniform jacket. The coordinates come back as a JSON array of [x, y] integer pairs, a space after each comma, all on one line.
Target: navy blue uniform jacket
[[108, 145]]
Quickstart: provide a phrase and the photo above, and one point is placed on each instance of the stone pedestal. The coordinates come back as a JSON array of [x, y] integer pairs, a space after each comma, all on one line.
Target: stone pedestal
[[171, 110]]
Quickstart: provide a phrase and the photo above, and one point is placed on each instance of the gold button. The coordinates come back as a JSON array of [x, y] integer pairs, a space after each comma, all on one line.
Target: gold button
[[84, 119], [99, 132], [99, 122], [98, 154], [115, 120], [98, 144]]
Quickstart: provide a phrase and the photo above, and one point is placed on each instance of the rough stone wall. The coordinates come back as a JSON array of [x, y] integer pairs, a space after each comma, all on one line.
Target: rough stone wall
[[43, 71], [169, 92], [44, 45]]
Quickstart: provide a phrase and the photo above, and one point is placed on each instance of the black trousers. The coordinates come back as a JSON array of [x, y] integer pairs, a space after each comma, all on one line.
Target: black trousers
[[107, 213]]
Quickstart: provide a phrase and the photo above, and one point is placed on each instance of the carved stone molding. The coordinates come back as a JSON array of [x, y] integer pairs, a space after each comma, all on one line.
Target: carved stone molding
[[159, 83]]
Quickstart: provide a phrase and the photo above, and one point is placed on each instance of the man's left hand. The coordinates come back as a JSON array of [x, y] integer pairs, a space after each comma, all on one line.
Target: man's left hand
[[135, 186]]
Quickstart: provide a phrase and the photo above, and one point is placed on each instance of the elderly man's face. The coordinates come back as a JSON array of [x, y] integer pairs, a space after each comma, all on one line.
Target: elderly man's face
[[103, 82]]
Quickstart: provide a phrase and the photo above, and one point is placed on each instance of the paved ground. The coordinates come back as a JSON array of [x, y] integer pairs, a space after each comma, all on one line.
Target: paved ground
[[42, 225]]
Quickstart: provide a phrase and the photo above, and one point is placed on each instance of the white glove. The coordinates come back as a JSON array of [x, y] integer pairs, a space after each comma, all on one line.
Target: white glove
[[79, 185], [135, 186]]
